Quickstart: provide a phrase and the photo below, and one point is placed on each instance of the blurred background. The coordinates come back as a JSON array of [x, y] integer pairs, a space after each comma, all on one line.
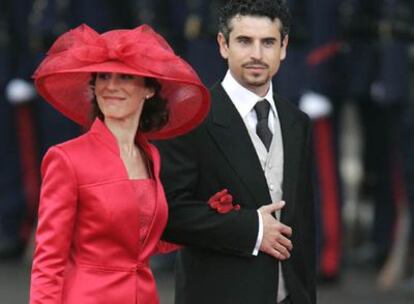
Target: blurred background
[[350, 67]]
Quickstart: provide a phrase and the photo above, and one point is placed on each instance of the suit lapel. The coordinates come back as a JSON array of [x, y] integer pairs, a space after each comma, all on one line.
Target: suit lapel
[[291, 133], [229, 132]]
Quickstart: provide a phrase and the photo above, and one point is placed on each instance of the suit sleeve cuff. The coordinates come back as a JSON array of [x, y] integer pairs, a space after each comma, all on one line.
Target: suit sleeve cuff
[[259, 235]]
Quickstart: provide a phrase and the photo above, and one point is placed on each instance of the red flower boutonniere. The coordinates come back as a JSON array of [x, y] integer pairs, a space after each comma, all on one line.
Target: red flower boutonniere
[[222, 202]]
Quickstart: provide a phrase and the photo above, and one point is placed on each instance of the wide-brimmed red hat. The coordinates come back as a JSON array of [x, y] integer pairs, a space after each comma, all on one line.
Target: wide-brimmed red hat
[[63, 78]]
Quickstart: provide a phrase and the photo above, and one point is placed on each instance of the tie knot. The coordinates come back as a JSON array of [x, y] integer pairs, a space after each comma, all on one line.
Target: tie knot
[[262, 108]]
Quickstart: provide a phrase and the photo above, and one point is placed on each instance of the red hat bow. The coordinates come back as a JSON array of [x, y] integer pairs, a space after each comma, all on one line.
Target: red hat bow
[[138, 48]]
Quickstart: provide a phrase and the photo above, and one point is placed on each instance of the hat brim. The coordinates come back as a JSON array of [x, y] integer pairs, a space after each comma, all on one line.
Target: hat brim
[[63, 78], [69, 91]]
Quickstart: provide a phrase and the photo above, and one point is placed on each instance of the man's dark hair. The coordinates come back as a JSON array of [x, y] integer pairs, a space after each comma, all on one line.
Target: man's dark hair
[[154, 114], [273, 9]]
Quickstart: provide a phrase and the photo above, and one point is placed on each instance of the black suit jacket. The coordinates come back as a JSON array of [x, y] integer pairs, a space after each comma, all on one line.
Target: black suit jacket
[[216, 265]]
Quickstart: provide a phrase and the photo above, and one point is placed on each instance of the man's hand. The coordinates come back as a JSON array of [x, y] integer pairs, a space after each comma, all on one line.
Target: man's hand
[[275, 241]]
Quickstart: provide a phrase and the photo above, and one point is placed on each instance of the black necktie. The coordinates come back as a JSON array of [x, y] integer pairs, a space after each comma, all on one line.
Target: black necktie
[[262, 108]]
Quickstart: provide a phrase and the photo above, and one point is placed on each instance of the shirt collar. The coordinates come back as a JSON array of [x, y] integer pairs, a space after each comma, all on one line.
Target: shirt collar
[[243, 99]]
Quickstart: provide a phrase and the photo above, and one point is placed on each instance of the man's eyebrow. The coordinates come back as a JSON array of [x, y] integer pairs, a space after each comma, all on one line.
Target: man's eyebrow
[[269, 39], [243, 37]]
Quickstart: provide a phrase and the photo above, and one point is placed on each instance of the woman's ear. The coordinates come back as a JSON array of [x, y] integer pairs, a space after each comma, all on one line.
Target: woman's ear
[[150, 94]]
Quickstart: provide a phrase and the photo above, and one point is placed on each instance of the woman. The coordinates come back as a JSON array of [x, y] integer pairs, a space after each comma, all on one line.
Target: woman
[[102, 208]]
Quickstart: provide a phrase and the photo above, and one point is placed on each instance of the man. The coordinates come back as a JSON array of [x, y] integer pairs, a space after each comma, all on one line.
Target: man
[[246, 256], [377, 79], [15, 191]]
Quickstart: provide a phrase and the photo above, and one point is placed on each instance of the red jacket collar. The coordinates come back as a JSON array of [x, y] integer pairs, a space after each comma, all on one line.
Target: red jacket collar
[[104, 135]]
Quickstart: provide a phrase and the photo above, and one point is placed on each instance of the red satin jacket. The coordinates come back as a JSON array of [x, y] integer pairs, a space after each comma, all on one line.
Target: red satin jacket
[[87, 240]]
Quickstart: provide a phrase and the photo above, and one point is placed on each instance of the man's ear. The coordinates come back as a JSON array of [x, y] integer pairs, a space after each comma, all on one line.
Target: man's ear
[[223, 46], [285, 43]]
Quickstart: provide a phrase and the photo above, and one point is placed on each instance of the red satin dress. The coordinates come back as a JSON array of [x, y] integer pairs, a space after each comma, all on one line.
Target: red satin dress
[[145, 194]]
